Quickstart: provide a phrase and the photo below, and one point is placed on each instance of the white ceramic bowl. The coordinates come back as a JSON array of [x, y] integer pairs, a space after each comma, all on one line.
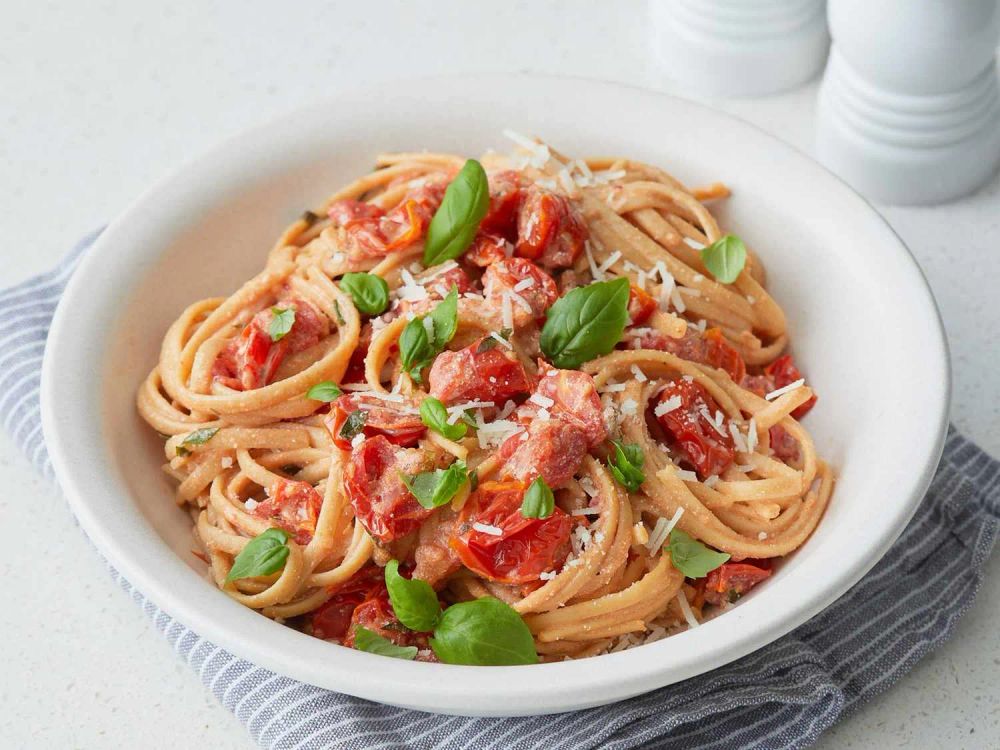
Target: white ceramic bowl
[[864, 324]]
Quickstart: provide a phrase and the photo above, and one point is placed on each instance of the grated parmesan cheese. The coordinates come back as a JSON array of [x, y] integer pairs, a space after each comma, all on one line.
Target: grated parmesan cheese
[[251, 504], [609, 261], [486, 528], [547, 575], [682, 601], [613, 388], [544, 401], [639, 374], [686, 475], [227, 462], [785, 389], [694, 244], [629, 406], [665, 407], [506, 311], [524, 284]]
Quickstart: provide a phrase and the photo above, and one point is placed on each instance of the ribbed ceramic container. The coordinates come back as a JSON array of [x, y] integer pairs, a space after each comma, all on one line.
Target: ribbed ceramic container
[[909, 109], [739, 47]]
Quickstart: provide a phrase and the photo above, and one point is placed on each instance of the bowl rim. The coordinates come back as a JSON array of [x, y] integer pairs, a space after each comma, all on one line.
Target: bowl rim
[[124, 539]]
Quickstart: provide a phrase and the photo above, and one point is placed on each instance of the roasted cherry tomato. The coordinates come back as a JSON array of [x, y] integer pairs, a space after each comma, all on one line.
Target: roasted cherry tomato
[[575, 400], [707, 449], [381, 418], [486, 370], [783, 372], [380, 499], [332, 619], [524, 548], [709, 348], [730, 581], [294, 506], [504, 275], [487, 249], [505, 197], [550, 230], [641, 305], [554, 450]]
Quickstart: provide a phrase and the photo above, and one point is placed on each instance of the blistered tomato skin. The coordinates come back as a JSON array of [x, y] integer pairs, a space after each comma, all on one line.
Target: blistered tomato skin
[[294, 506], [705, 448], [486, 370], [550, 230], [383, 418]]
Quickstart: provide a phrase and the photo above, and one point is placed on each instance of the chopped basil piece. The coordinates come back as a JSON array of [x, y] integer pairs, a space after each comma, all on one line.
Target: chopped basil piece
[[434, 415], [369, 292], [626, 465], [198, 437], [281, 323], [725, 258], [691, 557], [490, 342], [354, 424], [373, 643], [538, 500], [340, 315], [465, 203], [263, 555], [325, 391], [586, 323], [435, 488], [414, 601]]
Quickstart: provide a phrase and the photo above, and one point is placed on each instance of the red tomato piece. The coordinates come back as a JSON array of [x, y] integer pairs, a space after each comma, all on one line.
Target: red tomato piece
[[550, 230], [784, 372], [434, 558], [487, 249], [437, 289], [376, 614], [380, 499], [554, 450], [708, 450], [784, 446], [709, 348], [641, 305], [730, 581], [332, 619], [575, 401], [505, 197], [503, 275], [525, 547], [383, 418], [294, 506], [474, 373]]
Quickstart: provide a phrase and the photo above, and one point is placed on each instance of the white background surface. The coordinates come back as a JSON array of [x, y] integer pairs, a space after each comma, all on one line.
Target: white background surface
[[99, 99]]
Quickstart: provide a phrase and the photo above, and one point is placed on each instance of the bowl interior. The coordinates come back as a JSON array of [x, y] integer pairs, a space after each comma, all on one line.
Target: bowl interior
[[863, 325]]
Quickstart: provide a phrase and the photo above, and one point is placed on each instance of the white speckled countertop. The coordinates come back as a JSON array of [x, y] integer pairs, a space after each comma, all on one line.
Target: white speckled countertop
[[99, 99]]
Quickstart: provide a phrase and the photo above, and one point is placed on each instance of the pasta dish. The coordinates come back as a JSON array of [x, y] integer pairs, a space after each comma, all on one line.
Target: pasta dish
[[499, 411]]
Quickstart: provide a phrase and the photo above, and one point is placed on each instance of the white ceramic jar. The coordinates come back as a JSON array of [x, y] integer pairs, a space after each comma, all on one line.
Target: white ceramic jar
[[739, 47], [909, 109]]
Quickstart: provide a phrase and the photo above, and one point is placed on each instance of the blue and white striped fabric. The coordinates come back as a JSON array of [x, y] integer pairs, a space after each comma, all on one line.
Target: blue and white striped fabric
[[782, 696]]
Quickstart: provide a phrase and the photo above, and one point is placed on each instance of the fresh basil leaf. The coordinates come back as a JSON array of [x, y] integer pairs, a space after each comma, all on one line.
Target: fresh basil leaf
[[434, 415], [281, 323], [469, 420], [198, 437], [483, 632], [325, 391], [586, 323], [369, 292], [626, 466], [473, 481], [725, 258], [465, 203], [691, 557], [538, 500], [418, 346], [264, 554], [414, 601], [373, 643], [354, 424], [435, 488], [490, 342]]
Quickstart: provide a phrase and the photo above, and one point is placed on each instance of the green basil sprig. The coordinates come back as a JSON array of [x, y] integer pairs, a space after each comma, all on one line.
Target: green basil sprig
[[586, 323], [691, 557], [539, 501], [369, 292], [264, 554], [626, 466], [434, 415], [483, 632], [198, 437], [281, 323], [325, 391], [435, 488], [373, 643], [418, 346], [354, 424], [465, 203], [725, 258], [414, 601]]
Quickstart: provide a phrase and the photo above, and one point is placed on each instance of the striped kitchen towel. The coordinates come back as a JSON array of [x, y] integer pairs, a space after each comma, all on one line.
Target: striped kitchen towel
[[782, 696]]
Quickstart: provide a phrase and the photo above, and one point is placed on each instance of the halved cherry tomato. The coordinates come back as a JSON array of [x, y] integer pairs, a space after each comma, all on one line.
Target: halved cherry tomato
[[575, 400], [382, 418], [783, 372], [641, 305], [485, 370], [709, 348], [503, 275], [550, 229], [730, 581], [708, 450], [505, 196], [294, 506], [486, 249], [553, 450], [524, 548], [380, 499], [332, 619]]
